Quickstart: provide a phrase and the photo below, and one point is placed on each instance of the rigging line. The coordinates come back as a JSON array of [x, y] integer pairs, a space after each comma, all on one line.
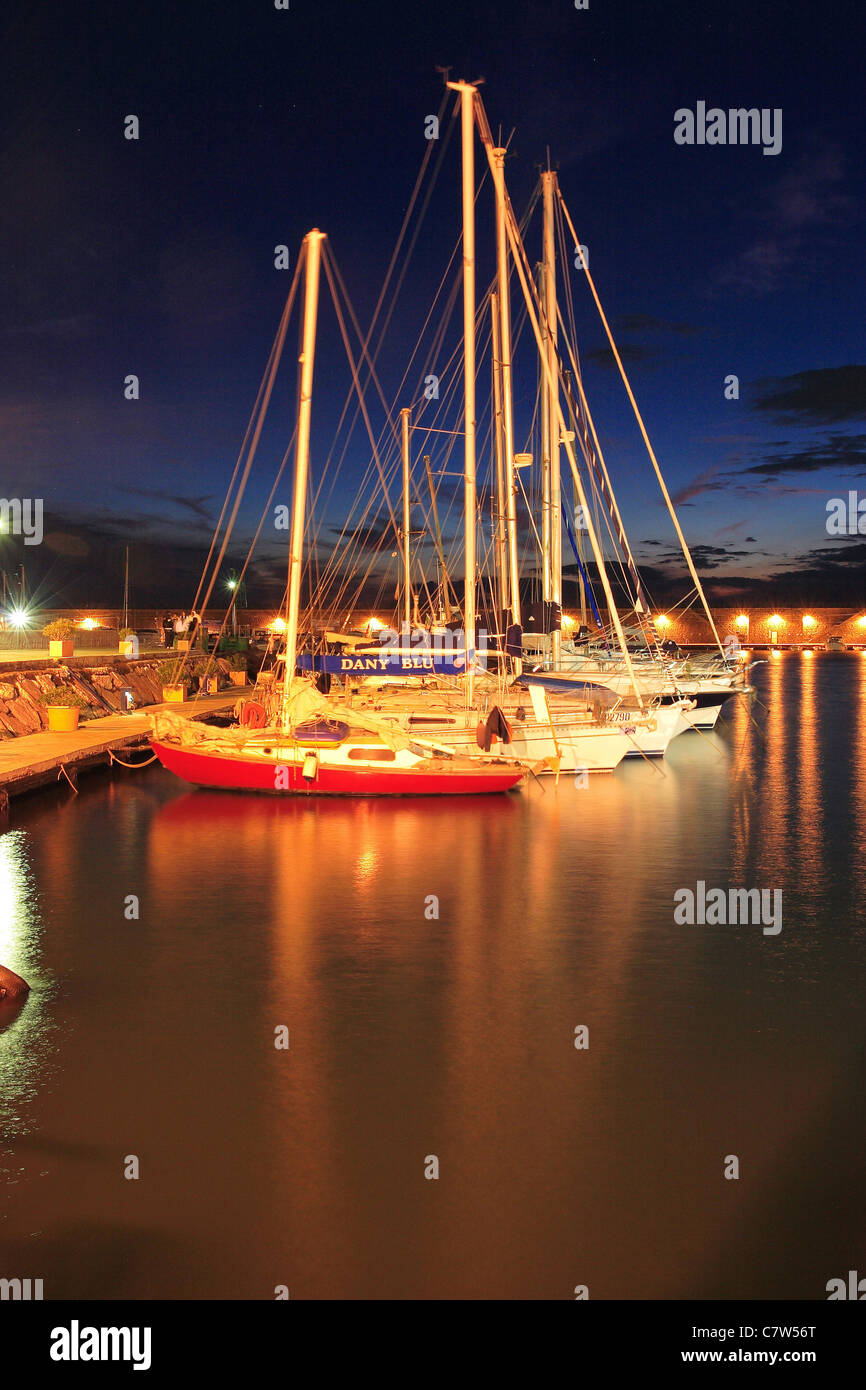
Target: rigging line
[[249, 555], [400, 282], [427, 157], [524, 273], [596, 463], [525, 218], [394, 256], [249, 427], [275, 362], [331, 285], [646, 439]]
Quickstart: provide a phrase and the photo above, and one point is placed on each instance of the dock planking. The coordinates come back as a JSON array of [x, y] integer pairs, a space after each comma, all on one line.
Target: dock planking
[[37, 760]]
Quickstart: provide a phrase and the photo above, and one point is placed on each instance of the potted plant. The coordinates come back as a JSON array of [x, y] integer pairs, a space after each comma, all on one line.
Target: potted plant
[[172, 692], [64, 708], [127, 642], [238, 669], [60, 638]]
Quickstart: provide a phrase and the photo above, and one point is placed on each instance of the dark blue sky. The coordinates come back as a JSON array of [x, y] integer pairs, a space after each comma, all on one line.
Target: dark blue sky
[[155, 257]]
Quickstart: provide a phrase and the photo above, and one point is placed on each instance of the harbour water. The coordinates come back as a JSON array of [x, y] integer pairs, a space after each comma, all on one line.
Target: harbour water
[[431, 962]]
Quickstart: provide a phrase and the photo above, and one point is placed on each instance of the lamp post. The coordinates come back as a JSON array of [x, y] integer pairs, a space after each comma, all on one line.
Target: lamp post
[[238, 590]]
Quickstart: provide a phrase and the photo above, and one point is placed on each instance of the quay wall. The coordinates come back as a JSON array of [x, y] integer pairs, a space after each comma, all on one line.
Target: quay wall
[[686, 628]]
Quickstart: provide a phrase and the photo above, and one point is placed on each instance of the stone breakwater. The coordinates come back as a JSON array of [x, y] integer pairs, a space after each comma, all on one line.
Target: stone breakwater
[[101, 688]]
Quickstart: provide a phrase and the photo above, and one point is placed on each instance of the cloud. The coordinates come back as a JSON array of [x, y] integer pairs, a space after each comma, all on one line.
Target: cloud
[[711, 480], [196, 505], [802, 206], [841, 452], [368, 537], [648, 323], [636, 353], [824, 396]]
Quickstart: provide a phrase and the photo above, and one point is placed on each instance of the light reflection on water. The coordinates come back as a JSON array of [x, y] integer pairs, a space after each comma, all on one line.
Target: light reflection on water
[[413, 1034]]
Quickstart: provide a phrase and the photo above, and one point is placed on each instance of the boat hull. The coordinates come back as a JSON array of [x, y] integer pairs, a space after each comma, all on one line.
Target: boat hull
[[240, 773]]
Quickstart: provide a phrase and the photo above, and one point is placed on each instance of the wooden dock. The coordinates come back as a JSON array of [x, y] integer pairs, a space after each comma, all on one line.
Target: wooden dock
[[38, 760]]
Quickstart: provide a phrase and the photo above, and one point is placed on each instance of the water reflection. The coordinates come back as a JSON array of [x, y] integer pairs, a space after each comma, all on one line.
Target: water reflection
[[432, 961]]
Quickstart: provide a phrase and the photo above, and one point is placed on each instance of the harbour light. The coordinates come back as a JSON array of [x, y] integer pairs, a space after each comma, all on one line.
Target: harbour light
[[663, 621], [88, 624], [278, 625], [809, 622], [742, 620], [19, 617], [374, 625]]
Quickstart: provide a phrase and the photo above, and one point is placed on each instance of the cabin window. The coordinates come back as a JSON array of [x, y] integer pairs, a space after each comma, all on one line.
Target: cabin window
[[373, 755]]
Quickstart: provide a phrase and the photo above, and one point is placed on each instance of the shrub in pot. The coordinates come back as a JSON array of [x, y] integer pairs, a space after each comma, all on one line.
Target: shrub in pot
[[173, 691], [127, 642], [64, 708], [60, 634], [238, 668]]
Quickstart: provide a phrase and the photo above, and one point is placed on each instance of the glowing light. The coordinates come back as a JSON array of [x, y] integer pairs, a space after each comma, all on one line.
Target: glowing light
[[809, 622], [19, 617], [777, 656], [662, 621], [374, 625], [861, 622], [88, 624], [568, 621], [742, 620], [231, 583], [776, 621], [807, 651], [278, 625]]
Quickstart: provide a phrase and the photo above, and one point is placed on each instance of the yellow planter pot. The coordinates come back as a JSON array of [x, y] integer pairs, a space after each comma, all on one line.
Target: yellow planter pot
[[60, 651], [63, 719], [173, 694], [238, 677]]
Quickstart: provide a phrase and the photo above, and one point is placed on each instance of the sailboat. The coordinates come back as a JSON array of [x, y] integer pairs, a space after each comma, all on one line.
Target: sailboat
[[314, 746]]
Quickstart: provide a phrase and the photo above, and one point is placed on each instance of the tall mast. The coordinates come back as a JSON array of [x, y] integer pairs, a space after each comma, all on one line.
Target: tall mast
[[312, 250], [126, 590], [467, 125], [407, 587], [446, 599], [554, 566], [545, 447], [519, 258], [646, 439], [500, 537], [497, 158]]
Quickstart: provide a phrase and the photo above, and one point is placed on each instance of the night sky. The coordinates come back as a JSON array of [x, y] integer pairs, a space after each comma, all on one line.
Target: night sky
[[156, 257]]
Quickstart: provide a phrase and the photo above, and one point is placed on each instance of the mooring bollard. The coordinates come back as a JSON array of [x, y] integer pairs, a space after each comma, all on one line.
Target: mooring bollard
[[11, 985]]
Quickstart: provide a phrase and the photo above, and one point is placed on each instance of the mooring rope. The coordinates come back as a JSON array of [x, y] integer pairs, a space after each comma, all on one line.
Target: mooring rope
[[113, 758]]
